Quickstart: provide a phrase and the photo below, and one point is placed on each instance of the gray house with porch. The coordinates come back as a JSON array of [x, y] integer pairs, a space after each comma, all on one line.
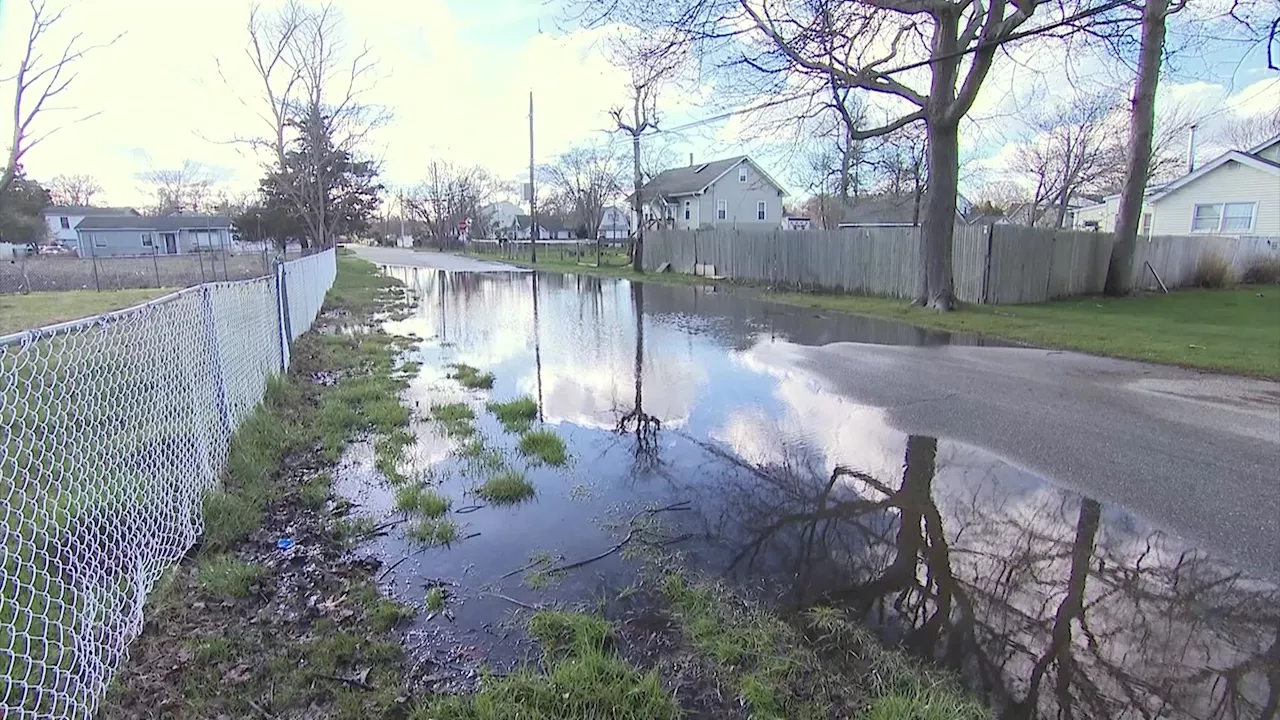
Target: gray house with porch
[[112, 235]]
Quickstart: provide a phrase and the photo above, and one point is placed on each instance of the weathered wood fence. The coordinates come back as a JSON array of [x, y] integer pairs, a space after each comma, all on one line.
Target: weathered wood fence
[[996, 264]]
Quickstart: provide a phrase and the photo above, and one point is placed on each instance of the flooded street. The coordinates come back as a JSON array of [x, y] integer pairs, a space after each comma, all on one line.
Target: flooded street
[[817, 472]]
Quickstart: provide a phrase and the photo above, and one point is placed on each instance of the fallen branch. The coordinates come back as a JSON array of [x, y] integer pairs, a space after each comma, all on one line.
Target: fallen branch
[[682, 505], [526, 566], [394, 565], [513, 601], [468, 509], [345, 681]]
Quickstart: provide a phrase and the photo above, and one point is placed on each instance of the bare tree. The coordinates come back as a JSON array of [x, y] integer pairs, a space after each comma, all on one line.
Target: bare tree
[[177, 190], [1138, 159], [1247, 132], [652, 62], [1074, 150], [588, 178], [868, 46], [74, 189], [449, 195], [312, 85], [38, 82]]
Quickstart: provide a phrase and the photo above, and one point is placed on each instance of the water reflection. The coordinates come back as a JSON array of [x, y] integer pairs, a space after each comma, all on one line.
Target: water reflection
[[1050, 603]]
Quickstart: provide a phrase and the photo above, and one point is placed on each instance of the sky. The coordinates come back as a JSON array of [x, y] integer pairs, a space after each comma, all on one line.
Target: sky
[[456, 76]]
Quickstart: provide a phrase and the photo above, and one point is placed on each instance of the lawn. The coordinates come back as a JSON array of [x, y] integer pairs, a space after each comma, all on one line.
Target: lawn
[[20, 312], [1235, 330]]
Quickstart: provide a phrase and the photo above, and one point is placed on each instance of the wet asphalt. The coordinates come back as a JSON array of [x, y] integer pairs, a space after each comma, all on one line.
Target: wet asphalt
[[1196, 454]]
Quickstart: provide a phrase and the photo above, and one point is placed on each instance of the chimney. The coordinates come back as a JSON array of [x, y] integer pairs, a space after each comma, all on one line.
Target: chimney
[[1191, 149], [690, 159]]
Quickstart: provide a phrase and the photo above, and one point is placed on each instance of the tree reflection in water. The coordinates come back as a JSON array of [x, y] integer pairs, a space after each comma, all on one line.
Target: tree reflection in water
[[1050, 604], [636, 421]]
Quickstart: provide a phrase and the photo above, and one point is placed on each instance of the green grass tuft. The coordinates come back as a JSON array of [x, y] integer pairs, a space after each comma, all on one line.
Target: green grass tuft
[[433, 531], [506, 488], [516, 415], [544, 446], [385, 614], [457, 419], [226, 576], [470, 377], [435, 599], [584, 680], [422, 501], [314, 492]]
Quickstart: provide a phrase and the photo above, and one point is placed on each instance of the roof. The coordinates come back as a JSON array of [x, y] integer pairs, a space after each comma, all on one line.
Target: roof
[[547, 223], [1264, 145], [1230, 156], [159, 222], [696, 178], [88, 210]]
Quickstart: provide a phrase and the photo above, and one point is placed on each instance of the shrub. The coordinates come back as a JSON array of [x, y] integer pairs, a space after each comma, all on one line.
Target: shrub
[[1262, 270], [1213, 271]]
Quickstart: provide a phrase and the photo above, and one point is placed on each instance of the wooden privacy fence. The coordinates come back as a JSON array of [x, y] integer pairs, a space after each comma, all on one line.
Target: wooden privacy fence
[[995, 264]]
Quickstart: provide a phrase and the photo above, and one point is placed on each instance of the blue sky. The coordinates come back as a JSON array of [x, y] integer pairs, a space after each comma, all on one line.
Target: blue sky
[[456, 75]]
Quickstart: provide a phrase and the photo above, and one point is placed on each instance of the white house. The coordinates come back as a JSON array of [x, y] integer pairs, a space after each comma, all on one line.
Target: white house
[[501, 214], [615, 224], [1236, 193], [734, 192], [63, 219], [106, 235]]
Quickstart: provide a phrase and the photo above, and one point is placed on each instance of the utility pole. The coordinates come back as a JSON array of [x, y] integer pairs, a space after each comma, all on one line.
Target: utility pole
[[401, 238], [533, 195]]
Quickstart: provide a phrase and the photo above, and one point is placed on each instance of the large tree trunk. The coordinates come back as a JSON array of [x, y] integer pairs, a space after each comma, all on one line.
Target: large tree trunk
[[939, 217], [1138, 164], [637, 252]]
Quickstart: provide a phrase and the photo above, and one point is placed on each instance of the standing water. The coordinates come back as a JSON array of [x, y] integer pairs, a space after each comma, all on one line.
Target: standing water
[[1047, 602]]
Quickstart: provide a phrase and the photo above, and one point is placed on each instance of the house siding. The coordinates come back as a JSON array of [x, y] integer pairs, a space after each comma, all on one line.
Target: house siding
[[56, 231], [740, 201], [119, 243], [1232, 182]]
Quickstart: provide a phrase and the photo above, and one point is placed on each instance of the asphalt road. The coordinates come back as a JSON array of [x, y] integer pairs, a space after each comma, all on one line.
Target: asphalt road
[[1195, 453]]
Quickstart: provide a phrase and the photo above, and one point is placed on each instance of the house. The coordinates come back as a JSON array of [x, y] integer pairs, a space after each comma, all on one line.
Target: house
[[109, 235], [63, 219], [615, 224], [549, 228], [1236, 193], [734, 192], [501, 214]]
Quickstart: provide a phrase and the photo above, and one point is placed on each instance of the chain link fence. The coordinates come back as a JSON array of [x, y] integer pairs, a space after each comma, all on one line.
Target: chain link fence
[[112, 429]]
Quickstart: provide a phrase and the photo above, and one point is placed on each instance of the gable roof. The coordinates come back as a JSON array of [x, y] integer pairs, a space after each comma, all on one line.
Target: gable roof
[[1230, 156], [546, 223], [696, 178], [1265, 144], [164, 222], [88, 210]]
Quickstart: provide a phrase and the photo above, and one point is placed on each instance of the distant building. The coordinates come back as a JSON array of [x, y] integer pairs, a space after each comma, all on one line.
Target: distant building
[[734, 192], [111, 235], [63, 219]]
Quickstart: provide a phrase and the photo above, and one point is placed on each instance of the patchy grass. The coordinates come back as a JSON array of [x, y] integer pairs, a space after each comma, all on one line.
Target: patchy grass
[[314, 492], [779, 671], [1222, 330], [458, 419], [471, 377], [226, 576], [433, 531], [583, 679], [435, 599], [506, 488], [543, 446], [422, 501], [275, 666], [515, 415], [480, 457], [21, 312]]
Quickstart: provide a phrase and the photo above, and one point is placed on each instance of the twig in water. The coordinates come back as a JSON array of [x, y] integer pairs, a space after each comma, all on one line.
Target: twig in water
[[682, 505], [527, 566], [394, 565], [468, 509], [513, 601]]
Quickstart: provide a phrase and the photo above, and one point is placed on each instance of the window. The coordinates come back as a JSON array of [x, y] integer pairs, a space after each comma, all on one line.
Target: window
[[1237, 216], [65, 222], [687, 213], [1222, 217], [722, 209], [1146, 224], [1206, 218], [742, 173], [760, 210], [146, 240]]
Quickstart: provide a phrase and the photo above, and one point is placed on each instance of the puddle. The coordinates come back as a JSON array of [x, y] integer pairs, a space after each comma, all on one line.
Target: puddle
[[1049, 603]]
